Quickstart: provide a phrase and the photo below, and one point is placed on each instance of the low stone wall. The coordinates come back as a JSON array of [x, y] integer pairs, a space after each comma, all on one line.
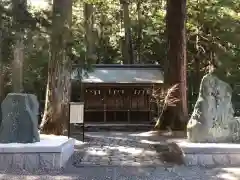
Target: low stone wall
[[31, 162], [212, 160], [36, 156], [211, 154]]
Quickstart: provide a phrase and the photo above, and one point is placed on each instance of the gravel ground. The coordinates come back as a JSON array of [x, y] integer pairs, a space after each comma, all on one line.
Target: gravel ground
[[114, 149], [122, 156], [130, 173]]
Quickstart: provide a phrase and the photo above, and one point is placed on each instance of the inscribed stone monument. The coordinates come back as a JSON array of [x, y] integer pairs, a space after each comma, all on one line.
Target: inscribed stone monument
[[213, 116], [19, 119]]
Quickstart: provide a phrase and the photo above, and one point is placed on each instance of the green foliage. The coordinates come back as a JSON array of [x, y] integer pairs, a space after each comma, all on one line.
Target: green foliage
[[213, 34]]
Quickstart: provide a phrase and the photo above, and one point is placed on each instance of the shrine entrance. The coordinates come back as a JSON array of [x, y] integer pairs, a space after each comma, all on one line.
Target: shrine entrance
[[117, 104], [119, 93]]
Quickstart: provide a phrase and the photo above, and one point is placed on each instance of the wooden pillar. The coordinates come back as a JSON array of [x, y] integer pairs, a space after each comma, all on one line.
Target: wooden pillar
[[149, 105], [129, 114], [105, 113], [104, 105], [129, 105]]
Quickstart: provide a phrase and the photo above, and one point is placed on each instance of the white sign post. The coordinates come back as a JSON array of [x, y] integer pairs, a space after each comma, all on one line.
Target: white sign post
[[76, 115]]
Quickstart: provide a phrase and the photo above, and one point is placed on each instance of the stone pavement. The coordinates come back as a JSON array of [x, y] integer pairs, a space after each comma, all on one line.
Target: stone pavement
[[130, 173], [115, 148]]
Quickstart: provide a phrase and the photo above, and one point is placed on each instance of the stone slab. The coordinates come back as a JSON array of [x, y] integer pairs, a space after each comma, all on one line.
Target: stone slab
[[209, 148], [210, 154], [48, 143], [52, 152]]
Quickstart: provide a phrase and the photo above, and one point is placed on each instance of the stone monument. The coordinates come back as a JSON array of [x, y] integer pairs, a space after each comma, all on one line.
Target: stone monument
[[19, 119], [213, 117]]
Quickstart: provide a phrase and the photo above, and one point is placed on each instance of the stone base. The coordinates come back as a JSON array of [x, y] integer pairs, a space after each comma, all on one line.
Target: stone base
[[52, 152], [210, 154]]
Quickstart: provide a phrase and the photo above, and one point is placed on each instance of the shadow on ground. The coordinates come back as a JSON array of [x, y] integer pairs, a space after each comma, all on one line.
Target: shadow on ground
[[129, 173], [122, 147]]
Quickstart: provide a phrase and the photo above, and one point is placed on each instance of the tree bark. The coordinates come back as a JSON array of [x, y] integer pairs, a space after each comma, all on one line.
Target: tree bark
[[139, 34], [17, 70], [18, 52], [128, 55], [1, 69], [1, 80], [56, 112], [89, 35], [176, 63]]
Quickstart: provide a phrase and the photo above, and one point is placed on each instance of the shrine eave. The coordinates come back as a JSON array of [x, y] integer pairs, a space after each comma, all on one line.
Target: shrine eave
[[114, 73]]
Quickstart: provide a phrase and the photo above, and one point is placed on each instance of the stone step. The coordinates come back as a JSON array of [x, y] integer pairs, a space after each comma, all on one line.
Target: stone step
[[210, 154], [51, 153], [114, 127]]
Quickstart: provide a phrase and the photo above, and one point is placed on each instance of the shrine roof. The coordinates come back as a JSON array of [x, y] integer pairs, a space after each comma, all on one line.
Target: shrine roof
[[117, 73]]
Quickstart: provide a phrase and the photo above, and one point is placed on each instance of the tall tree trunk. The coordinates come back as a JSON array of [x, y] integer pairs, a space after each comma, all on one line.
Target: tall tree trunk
[[18, 52], [1, 77], [89, 33], [1, 70], [139, 38], [122, 41], [17, 68], [100, 40], [128, 56], [102, 43], [56, 113], [176, 64], [197, 62], [197, 79]]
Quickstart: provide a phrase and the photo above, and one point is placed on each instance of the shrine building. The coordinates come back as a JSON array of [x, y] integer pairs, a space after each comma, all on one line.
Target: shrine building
[[117, 93]]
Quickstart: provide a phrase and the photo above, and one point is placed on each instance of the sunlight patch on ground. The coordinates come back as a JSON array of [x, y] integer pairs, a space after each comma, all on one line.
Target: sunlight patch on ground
[[144, 134], [132, 151], [232, 171], [27, 177], [227, 176], [38, 4], [148, 142], [109, 137], [96, 152], [105, 150], [124, 149], [79, 143]]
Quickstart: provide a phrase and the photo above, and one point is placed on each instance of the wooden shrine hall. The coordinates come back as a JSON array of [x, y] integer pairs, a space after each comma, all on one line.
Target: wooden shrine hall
[[117, 93]]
